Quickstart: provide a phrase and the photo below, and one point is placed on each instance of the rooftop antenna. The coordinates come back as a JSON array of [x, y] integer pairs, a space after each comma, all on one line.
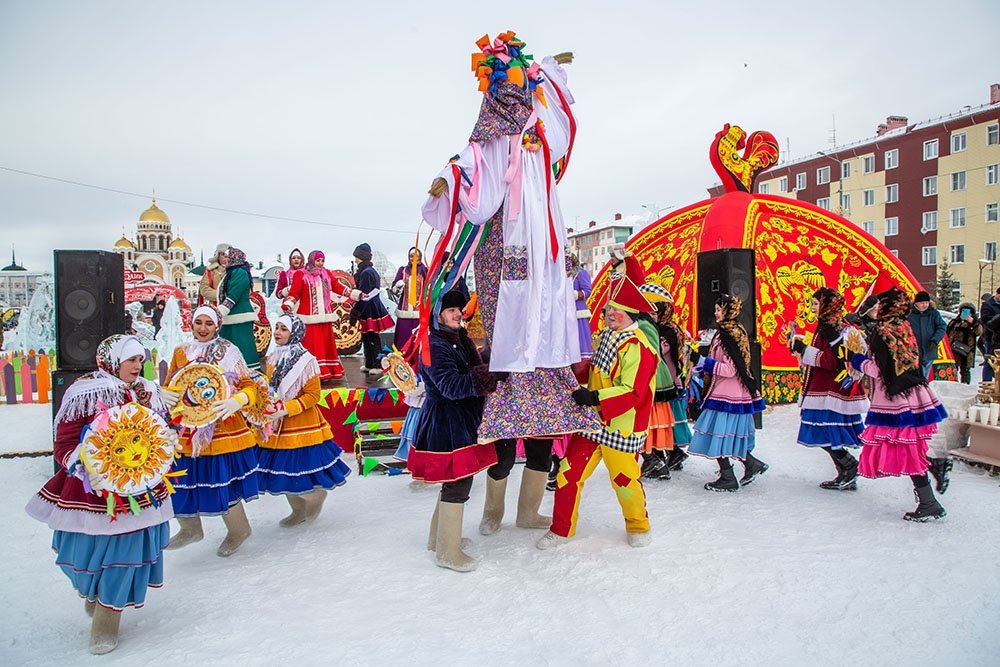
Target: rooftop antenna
[[833, 131]]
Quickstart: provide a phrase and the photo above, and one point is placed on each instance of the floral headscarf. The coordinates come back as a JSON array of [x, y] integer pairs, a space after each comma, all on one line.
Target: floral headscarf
[[103, 388], [236, 261], [830, 315], [893, 344], [736, 341], [291, 364]]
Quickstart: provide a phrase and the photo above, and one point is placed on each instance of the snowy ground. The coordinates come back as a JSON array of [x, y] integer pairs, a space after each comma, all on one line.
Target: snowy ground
[[782, 573]]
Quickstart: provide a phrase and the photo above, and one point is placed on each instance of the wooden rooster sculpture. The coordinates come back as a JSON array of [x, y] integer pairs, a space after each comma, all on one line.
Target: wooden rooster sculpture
[[738, 172]]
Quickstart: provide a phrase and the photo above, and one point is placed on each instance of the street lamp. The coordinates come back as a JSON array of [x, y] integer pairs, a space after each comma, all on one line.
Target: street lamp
[[655, 211], [983, 263]]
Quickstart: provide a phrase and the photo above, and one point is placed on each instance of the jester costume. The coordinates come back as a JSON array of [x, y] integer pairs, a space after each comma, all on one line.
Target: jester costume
[[621, 387]]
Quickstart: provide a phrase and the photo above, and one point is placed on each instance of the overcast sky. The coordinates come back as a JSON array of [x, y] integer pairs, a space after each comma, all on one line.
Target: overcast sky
[[343, 112]]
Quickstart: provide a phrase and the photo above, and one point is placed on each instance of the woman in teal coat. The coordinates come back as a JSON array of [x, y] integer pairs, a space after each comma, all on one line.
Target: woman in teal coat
[[234, 304]]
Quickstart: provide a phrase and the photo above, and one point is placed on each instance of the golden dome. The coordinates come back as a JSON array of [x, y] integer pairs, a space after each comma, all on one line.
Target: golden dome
[[124, 243], [153, 214], [179, 244]]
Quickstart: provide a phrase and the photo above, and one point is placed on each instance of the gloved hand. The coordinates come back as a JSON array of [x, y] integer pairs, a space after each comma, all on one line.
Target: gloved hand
[[584, 397], [229, 407], [223, 309], [95, 480], [355, 295], [857, 360], [798, 345], [169, 397], [277, 414]]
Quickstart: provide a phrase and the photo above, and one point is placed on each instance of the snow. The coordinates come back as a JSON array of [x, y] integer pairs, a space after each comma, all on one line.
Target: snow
[[780, 573]]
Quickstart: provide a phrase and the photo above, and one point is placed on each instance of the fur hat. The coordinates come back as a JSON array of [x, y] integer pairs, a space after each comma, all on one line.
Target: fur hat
[[453, 299], [221, 249], [921, 296], [363, 252]]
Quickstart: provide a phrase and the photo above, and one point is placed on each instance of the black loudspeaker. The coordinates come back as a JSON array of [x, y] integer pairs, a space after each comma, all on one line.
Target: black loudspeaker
[[727, 271], [90, 304]]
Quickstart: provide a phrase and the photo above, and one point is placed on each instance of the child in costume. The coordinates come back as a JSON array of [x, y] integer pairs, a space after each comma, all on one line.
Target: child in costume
[[234, 305], [368, 312], [310, 297], [221, 458], [299, 460], [445, 447], [831, 407], [725, 427], [110, 563], [672, 343], [904, 410], [410, 281], [621, 387], [582, 288]]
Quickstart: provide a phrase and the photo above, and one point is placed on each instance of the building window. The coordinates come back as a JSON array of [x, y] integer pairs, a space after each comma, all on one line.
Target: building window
[[891, 193], [868, 197], [957, 217], [800, 181], [990, 251], [930, 186], [845, 201], [845, 169], [868, 226], [892, 159], [762, 189], [928, 255], [993, 135], [958, 181], [892, 226], [822, 176], [959, 142], [956, 254], [929, 221], [868, 164], [823, 203], [992, 174], [783, 184], [895, 252], [992, 215], [930, 149]]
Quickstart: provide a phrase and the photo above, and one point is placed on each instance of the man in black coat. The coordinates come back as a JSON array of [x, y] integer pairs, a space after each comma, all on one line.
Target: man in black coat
[[989, 315], [928, 327]]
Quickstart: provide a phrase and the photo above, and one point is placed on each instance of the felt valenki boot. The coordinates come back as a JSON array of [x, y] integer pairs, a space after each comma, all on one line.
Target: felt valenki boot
[[432, 538], [314, 503], [239, 530], [298, 514], [449, 552], [496, 490], [189, 533], [529, 499], [104, 630]]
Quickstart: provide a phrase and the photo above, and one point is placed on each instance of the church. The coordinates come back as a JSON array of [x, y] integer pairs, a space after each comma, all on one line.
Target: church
[[158, 254]]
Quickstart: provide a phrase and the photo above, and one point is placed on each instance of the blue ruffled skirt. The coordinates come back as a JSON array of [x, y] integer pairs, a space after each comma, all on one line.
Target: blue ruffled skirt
[[718, 434], [113, 570], [406, 434], [303, 470], [215, 483], [826, 428]]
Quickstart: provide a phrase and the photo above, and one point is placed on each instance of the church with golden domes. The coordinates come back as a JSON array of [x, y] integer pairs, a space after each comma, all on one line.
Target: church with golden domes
[[157, 253]]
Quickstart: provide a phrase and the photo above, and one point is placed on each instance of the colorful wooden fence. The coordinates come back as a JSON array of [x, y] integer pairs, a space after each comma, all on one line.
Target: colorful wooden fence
[[26, 377]]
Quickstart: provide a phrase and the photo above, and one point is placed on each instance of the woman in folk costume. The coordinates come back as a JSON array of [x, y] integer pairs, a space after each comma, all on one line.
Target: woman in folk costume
[[621, 388], [504, 180], [296, 261], [725, 427], [310, 297], [831, 409], [221, 458], [445, 447], [904, 410], [672, 343], [410, 281], [234, 305], [299, 460], [368, 312], [581, 290], [110, 563]]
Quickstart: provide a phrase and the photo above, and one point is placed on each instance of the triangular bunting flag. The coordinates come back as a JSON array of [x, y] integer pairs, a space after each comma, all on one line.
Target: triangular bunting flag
[[396, 426], [369, 464], [322, 398], [394, 395], [351, 418]]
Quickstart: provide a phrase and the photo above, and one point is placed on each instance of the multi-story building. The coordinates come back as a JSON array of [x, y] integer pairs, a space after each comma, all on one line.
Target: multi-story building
[[929, 191], [18, 284], [593, 243]]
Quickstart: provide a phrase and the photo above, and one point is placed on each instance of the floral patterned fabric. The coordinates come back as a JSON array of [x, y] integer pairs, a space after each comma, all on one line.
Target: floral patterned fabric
[[536, 405]]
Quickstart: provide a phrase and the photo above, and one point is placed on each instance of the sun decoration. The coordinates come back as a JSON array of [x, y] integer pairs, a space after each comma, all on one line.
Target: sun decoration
[[400, 373], [200, 387], [256, 412], [130, 447]]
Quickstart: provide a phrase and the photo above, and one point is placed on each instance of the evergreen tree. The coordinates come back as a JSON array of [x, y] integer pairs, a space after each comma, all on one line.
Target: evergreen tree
[[947, 288]]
